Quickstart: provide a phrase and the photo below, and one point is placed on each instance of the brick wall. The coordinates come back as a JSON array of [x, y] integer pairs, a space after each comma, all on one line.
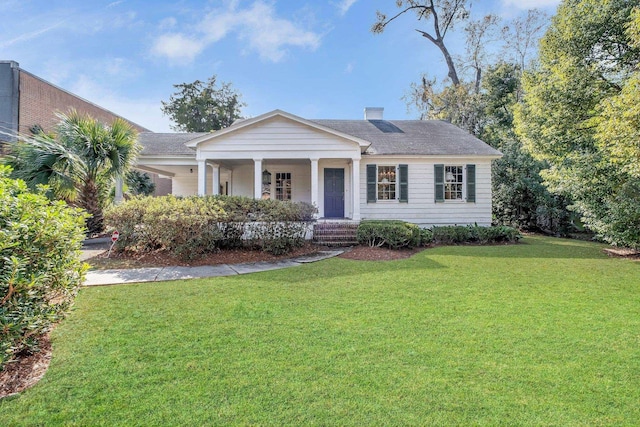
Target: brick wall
[[40, 100]]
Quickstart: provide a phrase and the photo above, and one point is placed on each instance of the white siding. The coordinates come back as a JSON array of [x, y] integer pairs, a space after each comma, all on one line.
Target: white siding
[[422, 208], [278, 138]]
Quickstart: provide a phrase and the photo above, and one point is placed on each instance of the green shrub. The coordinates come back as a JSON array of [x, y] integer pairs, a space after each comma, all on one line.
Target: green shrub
[[392, 234], [459, 234], [40, 267], [192, 226], [426, 236]]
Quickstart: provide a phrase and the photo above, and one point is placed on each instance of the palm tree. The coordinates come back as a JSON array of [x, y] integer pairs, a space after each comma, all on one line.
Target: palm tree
[[79, 161]]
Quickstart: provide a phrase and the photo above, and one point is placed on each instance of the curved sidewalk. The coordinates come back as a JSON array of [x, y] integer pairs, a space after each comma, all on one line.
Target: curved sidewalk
[[161, 274]]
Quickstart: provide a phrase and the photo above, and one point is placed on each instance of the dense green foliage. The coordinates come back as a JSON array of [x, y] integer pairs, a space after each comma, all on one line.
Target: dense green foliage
[[520, 198], [40, 268], [139, 183], [580, 113], [391, 234], [79, 161], [400, 234], [459, 234], [192, 226], [540, 333], [203, 107]]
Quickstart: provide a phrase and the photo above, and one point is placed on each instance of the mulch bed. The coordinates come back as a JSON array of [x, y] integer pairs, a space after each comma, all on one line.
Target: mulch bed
[[236, 256], [26, 370]]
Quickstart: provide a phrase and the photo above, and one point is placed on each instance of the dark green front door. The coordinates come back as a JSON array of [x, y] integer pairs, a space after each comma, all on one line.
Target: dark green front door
[[334, 193]]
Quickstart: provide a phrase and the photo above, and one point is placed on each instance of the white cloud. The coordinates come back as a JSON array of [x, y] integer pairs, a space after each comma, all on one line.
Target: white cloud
[[30, 35], [258, 26], [177, 47], [345, 5], [349, 68], [530, 4]]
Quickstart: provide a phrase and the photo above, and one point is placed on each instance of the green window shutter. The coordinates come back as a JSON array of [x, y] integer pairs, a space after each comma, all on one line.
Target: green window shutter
[[403, 171], [372, 175], [471, 183], [438, 172]]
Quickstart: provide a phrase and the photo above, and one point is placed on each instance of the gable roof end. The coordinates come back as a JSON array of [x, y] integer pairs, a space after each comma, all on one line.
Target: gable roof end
[[236, 126]]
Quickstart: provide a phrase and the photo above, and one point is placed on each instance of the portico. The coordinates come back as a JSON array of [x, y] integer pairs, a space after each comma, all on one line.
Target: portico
[[283, 157]]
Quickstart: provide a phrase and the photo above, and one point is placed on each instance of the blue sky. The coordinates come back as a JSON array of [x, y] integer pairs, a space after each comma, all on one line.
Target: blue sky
[[315, 59]]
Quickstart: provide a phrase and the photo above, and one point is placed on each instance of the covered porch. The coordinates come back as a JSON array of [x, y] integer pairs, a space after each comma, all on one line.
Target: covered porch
[[332, 185]]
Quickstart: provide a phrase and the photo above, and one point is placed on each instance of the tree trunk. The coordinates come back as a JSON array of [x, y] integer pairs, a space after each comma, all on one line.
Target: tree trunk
[[90, 201], [453, 74]]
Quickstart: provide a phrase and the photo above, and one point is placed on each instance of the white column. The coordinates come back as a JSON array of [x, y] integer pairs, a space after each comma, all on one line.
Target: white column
[[119, 190], [314, 183], [355, 186], [202, 177], [257, 178], [215, 179]]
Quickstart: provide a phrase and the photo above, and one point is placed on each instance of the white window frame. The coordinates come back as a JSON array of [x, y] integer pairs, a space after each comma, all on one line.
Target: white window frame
[[462, 183], [275, 185], [395, 183]]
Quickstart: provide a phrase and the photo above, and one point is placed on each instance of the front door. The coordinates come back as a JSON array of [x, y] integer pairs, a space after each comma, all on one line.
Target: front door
[[334, 193]]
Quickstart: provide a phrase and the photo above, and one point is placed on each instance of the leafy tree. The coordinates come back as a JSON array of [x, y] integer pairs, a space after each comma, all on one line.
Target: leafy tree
[[79, 161], [139, 183], [203, 107], [573, 115], [520, 198]]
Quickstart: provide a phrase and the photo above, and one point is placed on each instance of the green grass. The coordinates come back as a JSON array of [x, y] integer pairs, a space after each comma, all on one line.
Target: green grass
[[546, 332]]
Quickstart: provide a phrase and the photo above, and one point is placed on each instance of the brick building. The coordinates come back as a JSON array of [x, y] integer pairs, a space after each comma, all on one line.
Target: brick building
[[27, 100]]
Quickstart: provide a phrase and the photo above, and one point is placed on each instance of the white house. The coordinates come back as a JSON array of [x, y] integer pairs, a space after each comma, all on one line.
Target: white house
[[425, 172]]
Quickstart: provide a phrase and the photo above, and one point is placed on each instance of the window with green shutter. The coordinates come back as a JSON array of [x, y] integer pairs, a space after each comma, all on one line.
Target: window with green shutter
[[438, 172], [471, 183], [455, 183], [403, 172], [372, 175]]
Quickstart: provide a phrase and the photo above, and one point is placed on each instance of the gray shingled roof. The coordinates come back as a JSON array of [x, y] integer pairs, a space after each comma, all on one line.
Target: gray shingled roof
[[412, 137], [399, 137], [172, 144]]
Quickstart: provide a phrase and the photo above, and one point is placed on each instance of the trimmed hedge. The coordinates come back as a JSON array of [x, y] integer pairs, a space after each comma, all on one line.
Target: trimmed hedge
[[40, 267], [400, 234], [459, 234], [192, 226], [392, 234]]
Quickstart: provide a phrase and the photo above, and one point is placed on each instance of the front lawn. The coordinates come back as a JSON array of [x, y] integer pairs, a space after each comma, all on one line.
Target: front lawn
[[543, 332]]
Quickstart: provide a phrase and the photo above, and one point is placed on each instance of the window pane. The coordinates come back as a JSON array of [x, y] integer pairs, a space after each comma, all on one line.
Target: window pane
[[386, 182], [283, 186], [453, 180]]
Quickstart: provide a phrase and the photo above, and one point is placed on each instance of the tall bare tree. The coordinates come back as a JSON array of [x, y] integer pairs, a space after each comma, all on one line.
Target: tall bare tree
[[480, 33], [443, 14], [521, 36]]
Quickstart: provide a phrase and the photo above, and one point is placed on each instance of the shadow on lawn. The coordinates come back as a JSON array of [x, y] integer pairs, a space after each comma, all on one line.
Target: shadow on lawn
[[531, 247], [540, 247], [340, 267]]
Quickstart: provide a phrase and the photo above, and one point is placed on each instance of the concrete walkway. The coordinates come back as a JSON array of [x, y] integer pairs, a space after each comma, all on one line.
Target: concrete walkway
[[158, 274]]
